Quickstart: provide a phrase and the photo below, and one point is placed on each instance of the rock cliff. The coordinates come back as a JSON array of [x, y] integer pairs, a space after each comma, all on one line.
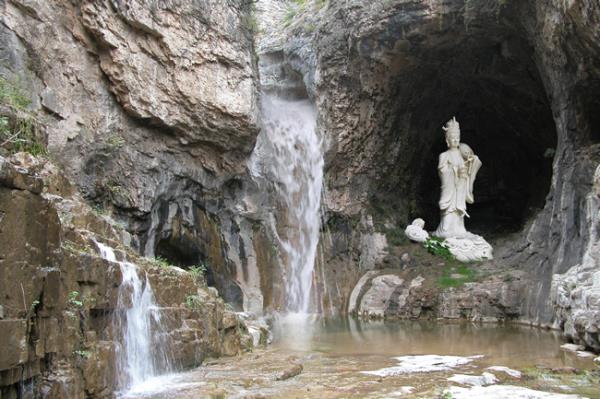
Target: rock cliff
[[60, 297], [152, 110]]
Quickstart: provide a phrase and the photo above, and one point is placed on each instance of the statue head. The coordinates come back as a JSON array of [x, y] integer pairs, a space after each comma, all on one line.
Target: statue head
[[452, 132]]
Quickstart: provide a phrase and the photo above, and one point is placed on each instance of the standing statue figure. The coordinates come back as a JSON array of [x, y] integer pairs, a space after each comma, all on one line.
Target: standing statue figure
[[457, 168]]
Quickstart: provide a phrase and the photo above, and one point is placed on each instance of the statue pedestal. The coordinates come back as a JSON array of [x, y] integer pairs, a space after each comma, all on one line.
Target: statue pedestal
[[469, 248]]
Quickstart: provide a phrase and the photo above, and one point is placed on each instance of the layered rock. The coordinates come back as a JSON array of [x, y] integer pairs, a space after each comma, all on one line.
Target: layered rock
[[59, 296], [152, 110]]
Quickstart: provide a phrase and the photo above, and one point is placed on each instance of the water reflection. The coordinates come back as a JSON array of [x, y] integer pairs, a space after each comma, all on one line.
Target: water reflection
[[510, 344]]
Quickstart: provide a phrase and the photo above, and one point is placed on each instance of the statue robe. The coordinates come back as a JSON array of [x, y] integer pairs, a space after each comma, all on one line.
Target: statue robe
[[457, 191]]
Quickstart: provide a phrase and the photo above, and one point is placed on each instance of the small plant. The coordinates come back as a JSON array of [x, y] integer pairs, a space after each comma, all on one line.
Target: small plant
[[395, 236], [115, 141], [274, 250], [34, 305], [198, 271], [160, 262], [12, 95], [437, 247], [73, 299], [193, 302], [71, 315], [114, 188], [72, 247], [447, 395], [99, 211], [85, 354]]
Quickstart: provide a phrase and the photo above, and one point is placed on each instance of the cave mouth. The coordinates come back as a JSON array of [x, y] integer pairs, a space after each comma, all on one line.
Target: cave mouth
[[492, 86]]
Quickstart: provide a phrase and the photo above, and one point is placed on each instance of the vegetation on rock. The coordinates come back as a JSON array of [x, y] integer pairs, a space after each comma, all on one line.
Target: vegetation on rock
[[18, 126]]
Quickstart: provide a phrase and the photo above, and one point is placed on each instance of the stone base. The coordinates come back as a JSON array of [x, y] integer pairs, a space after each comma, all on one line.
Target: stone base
[[471, 248]]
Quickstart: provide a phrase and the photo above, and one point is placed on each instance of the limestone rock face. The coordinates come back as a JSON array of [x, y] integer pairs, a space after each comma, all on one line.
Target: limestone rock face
[[408, 295], [186, 67]]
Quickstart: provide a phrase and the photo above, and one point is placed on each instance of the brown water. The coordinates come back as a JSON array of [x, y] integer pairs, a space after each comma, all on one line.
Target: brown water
[[336, 353]]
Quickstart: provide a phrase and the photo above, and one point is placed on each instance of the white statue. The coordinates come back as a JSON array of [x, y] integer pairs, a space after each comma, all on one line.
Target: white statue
[[457, 168], [416, 232]]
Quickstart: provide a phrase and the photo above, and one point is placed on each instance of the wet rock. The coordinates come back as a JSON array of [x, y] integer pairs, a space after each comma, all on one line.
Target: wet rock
[[291, 372], [375, 301], [509, 371], [572, 347], [474, 380]]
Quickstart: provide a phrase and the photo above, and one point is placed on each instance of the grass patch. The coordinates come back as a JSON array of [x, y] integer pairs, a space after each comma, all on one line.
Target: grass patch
[[456, 276]]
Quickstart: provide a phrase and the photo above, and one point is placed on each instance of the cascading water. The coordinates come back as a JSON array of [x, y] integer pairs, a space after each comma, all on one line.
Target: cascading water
[[142, 350], [290, 153]]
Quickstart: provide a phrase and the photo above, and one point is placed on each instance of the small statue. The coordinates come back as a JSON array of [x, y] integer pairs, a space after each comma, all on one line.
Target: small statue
[[457, 168], [416, 232]]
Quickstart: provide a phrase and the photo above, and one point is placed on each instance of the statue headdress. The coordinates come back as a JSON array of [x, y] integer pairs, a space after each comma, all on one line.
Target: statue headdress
[[452, 126]]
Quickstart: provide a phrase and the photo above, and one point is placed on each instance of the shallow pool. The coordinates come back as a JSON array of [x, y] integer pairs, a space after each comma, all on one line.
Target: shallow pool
[[346, 358]]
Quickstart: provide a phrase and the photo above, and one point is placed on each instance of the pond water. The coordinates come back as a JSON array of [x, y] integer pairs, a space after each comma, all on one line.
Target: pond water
[[347, 358]]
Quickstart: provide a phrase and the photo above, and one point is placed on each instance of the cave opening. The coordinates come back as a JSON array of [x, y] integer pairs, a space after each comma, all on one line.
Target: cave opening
[[490, 83], [187, 254]]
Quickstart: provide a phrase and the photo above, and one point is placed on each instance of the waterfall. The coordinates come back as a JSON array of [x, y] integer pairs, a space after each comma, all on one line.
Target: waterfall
[[142, 348], [290, 153]]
